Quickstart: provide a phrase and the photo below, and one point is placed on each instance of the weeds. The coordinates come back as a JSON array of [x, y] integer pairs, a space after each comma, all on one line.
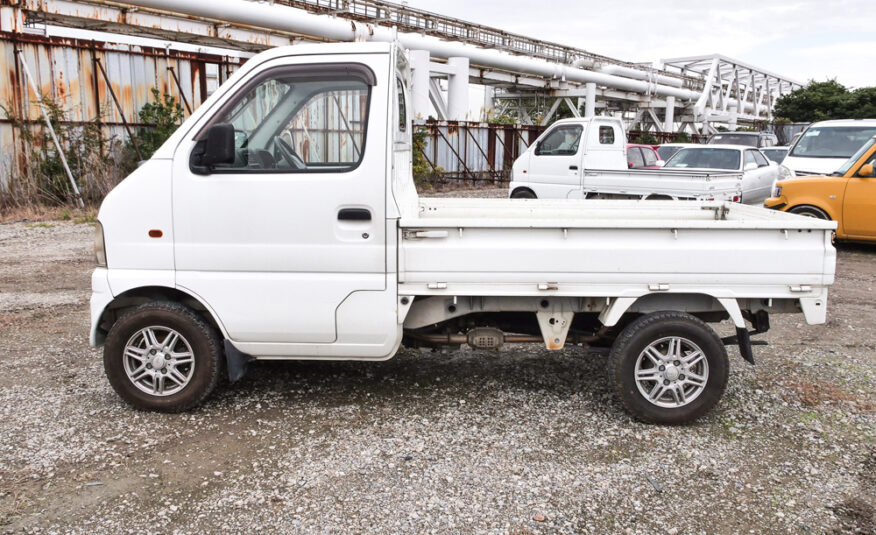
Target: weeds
[[98, 162]]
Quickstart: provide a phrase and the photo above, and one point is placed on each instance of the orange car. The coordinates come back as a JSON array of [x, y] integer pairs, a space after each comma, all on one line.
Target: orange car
[[848, 196]]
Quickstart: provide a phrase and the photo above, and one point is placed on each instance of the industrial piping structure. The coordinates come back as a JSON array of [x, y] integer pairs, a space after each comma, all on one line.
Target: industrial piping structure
[[727, 91]]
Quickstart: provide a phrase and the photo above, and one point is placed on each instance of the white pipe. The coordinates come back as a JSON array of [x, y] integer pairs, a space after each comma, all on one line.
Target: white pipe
[[628, 72], [457, 89], [284, 18]]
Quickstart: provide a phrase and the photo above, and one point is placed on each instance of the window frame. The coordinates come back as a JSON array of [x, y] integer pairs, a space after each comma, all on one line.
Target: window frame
[[320, 72], [551, 132]]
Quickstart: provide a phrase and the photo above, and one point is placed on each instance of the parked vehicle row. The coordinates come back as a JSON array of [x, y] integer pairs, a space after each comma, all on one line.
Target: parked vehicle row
[[581, 158]]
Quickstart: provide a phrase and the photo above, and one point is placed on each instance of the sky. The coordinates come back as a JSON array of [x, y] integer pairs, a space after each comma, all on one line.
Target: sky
[[800, 39]]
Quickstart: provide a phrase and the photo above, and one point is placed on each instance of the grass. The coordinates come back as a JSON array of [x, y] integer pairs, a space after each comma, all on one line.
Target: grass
[[37, 213]]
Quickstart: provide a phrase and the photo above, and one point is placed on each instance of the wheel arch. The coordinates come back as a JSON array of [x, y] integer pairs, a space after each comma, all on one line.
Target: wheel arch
[[697, 304], [523, 188], [808, 204], [134, 297]]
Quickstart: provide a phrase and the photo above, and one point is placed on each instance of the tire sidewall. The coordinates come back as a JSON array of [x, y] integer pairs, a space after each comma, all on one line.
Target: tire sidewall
[[203, 348], [704, 338]]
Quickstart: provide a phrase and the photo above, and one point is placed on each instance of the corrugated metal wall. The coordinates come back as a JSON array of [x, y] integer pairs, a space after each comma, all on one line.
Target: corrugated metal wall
[[67, 70], [475, 151]]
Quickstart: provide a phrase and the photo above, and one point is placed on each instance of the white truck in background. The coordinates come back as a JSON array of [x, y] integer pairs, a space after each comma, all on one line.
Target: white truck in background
[[586, 158], [281, 221]]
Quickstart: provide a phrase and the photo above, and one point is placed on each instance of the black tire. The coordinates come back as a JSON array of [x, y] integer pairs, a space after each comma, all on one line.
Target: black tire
[[650, 329], [523, 194], [810, 211], [202, 339]]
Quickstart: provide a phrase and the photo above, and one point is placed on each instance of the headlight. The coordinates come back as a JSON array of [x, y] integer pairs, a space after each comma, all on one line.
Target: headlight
[[99, 246], [785, 172]]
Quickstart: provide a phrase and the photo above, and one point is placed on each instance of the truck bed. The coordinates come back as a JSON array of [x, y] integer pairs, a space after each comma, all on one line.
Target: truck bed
[[674, 183], [602, 247]]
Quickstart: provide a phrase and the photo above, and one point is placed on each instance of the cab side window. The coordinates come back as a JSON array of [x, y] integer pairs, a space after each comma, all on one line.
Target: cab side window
[[606, 135], [562, 140], [402, 108], [749, 158], [650, 157], [295, 120]]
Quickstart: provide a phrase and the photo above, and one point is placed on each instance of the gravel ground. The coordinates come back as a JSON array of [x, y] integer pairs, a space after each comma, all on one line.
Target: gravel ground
[[523, 441]]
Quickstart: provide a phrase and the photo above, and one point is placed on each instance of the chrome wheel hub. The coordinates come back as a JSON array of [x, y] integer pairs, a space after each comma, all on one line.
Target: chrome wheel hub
[[671, 372], [159, 361]]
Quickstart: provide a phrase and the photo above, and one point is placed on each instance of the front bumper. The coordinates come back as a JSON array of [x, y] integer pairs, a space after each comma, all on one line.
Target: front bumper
[[101, 296], [776, 203]]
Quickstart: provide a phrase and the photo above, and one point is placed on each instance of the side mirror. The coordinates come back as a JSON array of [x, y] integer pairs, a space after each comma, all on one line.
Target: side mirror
[[660, 163], [216, 148], [219, 146], [750, 166], [866, 170]]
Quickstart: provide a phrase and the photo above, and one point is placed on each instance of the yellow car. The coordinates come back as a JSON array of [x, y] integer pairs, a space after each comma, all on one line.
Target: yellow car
[[848, 196]]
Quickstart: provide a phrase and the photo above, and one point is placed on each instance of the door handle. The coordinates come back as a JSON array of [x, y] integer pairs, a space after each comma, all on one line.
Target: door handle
[[354, 214], [573, 167]]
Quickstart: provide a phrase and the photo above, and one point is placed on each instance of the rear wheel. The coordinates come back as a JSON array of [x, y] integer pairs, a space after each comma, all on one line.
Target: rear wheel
[[668, 368], [162, 356], [523, 194], [810, 211]]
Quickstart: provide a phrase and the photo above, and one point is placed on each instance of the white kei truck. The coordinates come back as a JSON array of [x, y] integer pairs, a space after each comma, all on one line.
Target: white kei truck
[[586, 158], [280, 221]]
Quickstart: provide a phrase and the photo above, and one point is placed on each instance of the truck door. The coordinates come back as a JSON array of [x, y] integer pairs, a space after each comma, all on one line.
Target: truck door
[[859, 203], [276, 241], [555, 162]]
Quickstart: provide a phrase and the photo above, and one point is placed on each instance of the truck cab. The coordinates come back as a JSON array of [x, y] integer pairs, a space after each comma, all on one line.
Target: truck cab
[[552, 167]]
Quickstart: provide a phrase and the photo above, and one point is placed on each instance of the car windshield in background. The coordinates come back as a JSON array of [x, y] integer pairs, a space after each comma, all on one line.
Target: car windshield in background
[[734, 139], [776, 155], [832, 141], [667, 152], [706, 158], [855, 157]]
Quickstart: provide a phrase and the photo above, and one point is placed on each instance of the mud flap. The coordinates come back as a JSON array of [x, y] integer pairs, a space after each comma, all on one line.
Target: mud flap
[[236, 362]]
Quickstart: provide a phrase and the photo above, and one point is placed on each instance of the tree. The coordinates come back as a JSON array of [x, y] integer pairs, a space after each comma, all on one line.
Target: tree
[[819, 101]]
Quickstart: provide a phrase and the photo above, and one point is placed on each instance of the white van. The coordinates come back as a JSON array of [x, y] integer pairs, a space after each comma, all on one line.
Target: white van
[[825, 146]]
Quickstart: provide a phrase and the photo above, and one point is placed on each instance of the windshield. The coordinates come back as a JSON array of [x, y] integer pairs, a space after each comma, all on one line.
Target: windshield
[[706, 158], [855, 157], [749, 140], [776, 155], [832, 141], [667, 152]]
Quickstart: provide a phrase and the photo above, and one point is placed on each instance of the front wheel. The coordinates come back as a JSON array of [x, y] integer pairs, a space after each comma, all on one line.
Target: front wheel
[[669, 368], [523, 194], [162, 356]]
